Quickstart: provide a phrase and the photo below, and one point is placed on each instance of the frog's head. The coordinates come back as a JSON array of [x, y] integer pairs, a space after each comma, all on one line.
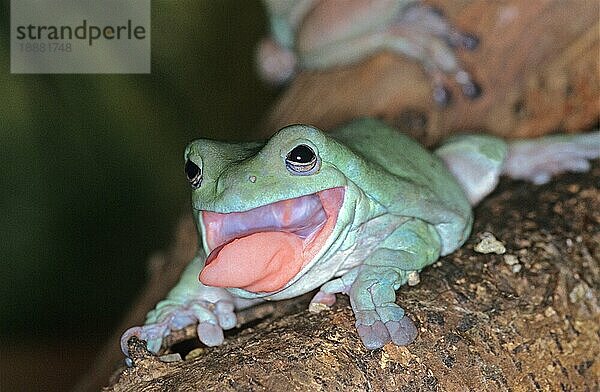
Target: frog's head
[[268, 212]]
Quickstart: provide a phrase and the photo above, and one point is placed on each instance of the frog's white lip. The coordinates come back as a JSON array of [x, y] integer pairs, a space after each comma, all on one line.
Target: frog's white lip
[[268, 245], [302, 216]]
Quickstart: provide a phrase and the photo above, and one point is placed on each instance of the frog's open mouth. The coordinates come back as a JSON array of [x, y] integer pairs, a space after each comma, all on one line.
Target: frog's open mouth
[[262, 249]]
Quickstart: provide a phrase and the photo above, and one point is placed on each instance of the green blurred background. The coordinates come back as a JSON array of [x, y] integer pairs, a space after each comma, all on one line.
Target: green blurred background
[[92, 180]]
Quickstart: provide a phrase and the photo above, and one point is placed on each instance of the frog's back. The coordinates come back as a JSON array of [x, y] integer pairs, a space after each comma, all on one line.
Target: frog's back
[[422, 185]]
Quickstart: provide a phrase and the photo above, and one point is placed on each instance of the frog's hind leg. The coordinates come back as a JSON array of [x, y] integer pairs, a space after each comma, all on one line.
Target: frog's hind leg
[[537, 160], [476, 162]]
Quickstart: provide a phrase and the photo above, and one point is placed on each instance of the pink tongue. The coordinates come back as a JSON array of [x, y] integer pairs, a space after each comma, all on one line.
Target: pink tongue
[[261, 262]]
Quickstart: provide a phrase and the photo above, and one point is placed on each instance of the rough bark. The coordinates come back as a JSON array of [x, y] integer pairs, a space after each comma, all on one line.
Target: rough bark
[[485, 322], [537, 63]]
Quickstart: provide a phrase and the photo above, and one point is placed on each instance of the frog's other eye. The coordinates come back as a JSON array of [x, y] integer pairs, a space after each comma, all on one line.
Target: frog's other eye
[[193, 173], [302, 160]]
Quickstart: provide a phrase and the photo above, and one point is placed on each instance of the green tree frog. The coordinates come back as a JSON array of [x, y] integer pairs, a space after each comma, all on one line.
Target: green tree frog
[[357, 211], [320, 34]]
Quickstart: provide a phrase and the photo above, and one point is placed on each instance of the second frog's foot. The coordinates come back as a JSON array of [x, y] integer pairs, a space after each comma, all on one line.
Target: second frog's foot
[[276, 64], [423, 33]]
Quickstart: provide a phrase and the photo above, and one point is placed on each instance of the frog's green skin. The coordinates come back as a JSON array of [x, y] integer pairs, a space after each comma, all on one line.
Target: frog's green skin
[[401, 210]]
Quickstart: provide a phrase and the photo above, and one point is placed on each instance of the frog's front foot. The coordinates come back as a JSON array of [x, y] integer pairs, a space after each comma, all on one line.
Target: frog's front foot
[[212, 319], [379, 319], [375, 331]]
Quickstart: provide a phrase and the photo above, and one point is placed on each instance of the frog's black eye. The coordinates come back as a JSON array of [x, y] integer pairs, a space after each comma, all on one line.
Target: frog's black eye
[[193, 173], [302, 160]]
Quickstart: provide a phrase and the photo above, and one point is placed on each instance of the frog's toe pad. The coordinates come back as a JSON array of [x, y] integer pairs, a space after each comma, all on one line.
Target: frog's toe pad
[[402, 332], [225, 312], [210, 334], [373, 336], [276, 63], [153, 334], [321, 301]]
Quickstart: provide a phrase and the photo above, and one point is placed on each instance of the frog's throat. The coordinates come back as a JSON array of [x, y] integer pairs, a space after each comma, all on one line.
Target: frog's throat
[[263, 249]]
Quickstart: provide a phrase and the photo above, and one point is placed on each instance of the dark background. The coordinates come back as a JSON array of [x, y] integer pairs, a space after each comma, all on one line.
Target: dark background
[[92, 179]]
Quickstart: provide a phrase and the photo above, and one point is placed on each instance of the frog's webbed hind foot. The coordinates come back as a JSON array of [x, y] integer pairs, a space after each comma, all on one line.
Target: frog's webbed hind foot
[[423, 32], [375, 332]]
